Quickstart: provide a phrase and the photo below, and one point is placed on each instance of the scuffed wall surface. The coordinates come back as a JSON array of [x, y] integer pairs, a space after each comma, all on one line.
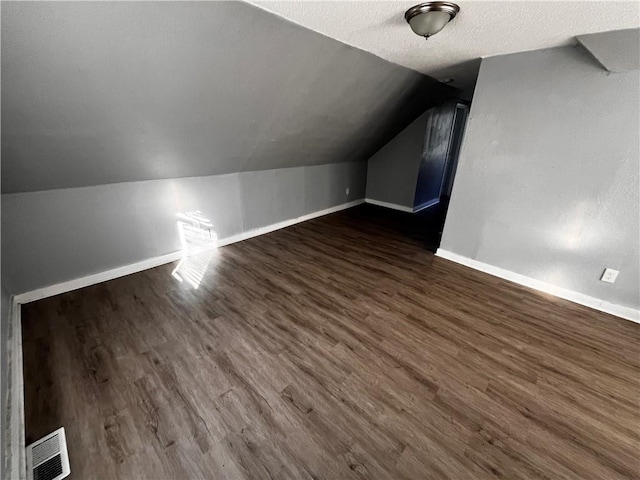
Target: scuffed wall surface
[[548, 184], [58, 235]]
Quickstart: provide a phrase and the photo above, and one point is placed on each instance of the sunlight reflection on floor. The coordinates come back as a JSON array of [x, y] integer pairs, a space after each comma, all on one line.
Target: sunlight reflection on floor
[[199, 243]]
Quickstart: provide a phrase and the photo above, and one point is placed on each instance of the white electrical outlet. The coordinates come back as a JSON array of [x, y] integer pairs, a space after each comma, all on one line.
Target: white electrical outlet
[[347, 190], [609, 275]]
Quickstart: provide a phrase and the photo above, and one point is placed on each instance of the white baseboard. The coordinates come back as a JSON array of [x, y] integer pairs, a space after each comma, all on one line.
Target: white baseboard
[[426, 205], [88, 280], [15, 454], [82, 282], [287, 223], [393, 206], [402, 208], [575, 297]]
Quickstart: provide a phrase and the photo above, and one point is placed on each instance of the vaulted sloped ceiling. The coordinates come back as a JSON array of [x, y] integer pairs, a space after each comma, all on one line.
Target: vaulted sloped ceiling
[[104, 92]]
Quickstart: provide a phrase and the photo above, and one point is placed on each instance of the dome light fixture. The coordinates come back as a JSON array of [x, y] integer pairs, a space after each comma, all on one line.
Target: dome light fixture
[[427, 19]]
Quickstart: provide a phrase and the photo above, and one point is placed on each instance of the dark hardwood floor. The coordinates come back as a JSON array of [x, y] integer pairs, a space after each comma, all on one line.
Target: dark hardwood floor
[[338, 348], [423, 228]]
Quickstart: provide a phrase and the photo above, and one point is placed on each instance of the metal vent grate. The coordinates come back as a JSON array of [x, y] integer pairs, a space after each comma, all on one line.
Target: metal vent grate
[[47, 459], [48, 470], [45, 450]]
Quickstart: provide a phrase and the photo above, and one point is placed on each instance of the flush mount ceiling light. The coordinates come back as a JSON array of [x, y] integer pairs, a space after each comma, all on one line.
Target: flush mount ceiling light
[[429, 18]]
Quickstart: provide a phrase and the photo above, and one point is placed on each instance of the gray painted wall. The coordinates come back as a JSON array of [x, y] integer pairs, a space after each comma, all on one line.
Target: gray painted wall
[[105, 92], [547, 182], [617, 51], [58, 235], [392, 172]]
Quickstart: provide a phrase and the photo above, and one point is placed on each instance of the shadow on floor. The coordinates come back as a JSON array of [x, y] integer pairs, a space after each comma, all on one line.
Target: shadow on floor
[[423, 227]]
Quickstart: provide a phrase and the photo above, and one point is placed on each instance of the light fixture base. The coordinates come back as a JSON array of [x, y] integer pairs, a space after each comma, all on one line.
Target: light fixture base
[[448, 7], [427, 19]]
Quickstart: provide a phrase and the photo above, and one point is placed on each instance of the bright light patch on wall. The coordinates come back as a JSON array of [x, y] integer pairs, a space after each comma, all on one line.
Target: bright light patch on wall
[[199, 242], [573, 234]]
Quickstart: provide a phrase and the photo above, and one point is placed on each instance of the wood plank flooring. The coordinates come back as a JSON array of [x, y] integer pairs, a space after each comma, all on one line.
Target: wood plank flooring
[[336, 349]]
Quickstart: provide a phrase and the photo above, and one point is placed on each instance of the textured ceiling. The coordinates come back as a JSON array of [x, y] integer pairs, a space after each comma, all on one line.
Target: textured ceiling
[[106, 92], [481, 29]]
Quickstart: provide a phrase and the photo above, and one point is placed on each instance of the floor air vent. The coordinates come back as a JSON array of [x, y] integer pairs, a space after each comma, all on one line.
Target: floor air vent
[[47, 459]]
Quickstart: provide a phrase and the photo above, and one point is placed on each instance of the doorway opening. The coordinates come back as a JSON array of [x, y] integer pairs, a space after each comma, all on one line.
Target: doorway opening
[[441, 148]]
